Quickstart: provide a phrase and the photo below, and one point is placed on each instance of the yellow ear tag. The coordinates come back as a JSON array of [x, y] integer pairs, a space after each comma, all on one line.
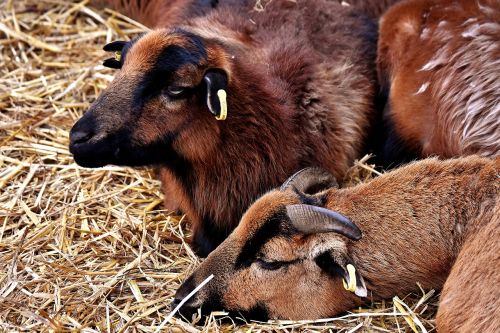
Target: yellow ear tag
[[118, 55], [221, 93], [352, 279]]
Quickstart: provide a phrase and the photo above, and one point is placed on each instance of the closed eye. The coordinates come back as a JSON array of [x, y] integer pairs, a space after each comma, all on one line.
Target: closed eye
[[175, 91], [273, 265]]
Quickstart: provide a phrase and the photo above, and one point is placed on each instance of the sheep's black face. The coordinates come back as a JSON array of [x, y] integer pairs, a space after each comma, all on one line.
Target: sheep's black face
[[119, 148], [87, 151], [108, 134], [158, 109]]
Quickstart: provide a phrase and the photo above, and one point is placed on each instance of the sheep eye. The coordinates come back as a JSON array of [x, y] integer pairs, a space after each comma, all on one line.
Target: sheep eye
[[271, 265], [175, 91]]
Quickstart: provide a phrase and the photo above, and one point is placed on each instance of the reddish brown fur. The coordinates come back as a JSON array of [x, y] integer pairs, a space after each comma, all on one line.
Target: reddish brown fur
[[416, 221], [294, 100], [441, 59], [290, 74]]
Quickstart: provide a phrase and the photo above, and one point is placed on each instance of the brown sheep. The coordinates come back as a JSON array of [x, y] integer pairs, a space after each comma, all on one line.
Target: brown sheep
[[288, 256], [300, 83], [440, 59]]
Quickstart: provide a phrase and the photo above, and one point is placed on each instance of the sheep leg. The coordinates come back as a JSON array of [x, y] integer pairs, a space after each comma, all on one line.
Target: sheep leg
[[169, 189]]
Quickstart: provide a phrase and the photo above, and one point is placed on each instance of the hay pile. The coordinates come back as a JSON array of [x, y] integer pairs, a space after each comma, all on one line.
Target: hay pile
[[91, 250]]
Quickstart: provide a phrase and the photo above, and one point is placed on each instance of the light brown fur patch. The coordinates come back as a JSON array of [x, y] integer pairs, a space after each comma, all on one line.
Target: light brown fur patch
[[470, 296]]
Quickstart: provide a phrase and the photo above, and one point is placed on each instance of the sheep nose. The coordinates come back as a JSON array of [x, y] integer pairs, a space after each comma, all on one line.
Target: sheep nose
[[187, 310], [83, 130], [190, 303], [176, 302], [79, 136]]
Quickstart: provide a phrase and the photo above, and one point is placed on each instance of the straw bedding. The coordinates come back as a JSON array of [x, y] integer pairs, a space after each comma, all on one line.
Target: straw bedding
[[92, 250]]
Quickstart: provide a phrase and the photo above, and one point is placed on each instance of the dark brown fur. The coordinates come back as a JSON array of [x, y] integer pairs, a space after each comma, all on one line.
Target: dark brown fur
[[441, 61], [415, 222], [301, 88]]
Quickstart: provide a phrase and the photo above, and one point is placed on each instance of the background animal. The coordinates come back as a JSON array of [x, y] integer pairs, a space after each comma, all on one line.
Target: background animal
[[288, 256], [163, 13], [440, 60], [300, 83]]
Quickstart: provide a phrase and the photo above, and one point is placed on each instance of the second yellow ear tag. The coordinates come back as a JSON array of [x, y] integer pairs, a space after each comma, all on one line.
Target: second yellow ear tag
[[118, 55], [352, 279], [221, 93]]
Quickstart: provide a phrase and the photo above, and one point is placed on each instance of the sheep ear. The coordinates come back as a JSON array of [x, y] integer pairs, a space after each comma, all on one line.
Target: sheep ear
[[353, 281], [117, 48], [216, 83], [114, 46], [337, 265], [112, 63], [310, 219], [310, 181]]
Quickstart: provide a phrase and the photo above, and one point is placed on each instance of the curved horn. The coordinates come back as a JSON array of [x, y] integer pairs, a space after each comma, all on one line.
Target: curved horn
[[310, 181], [312, 219]]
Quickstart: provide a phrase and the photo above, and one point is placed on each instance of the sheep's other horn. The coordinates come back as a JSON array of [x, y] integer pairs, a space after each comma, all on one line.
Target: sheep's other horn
[[310, 219], [310, 181]]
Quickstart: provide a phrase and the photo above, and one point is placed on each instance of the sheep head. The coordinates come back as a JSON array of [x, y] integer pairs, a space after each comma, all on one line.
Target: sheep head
[[162, 103], [286, 259]]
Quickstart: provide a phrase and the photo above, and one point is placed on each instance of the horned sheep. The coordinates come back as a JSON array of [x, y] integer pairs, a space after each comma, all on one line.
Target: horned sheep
[[306, 251]]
